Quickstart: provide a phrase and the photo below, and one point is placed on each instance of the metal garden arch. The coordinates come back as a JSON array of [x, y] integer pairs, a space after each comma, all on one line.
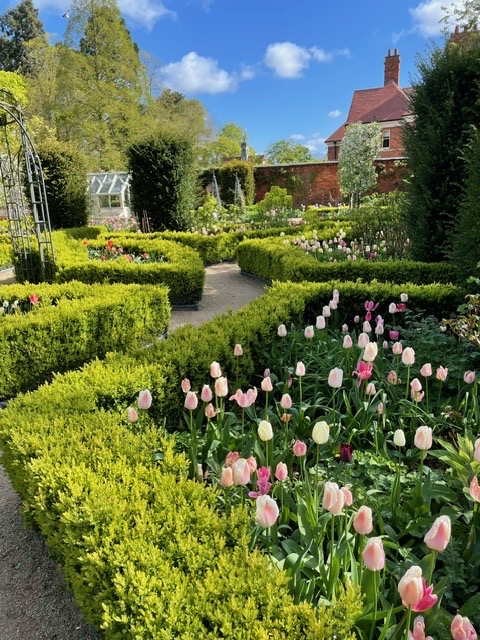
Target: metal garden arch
[[25, 197]]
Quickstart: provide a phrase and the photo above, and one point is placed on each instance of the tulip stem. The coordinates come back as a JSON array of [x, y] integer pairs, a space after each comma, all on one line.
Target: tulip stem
[[408, 382], [409, 618], [375, 589], [432, 566]]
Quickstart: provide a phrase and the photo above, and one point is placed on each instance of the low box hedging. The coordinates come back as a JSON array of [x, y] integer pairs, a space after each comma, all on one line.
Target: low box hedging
[[275, 260], [72, 324]]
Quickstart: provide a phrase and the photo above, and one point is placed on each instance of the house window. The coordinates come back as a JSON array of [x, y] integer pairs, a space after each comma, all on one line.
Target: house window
[[386, 140]]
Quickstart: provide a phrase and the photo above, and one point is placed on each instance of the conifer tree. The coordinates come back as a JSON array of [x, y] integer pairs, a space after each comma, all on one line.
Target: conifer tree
[[18, 25]]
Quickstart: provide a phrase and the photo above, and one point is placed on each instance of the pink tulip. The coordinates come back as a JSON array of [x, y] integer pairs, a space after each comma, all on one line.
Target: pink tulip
[[476, 453], [344, 328], [206, 394], [392, 308], [414, 591], [438, 537], [385, 344], [347, 342], [423, 438], [186, 386], [252, 464], [309, 332], [266, 384], [210, 411], [408, 356], [397, 348], [363, 340], [132, 415], [347, 494], [370, 389], [392, 377], [282, 331], [415, 385], [286, 401], [299, 448], [367, 328], [474, 489], [335, 378], [363, 521], [356, 319], [426, 370], [144, 399], [418, 630], [300, 369], [364, 370], [215, 370], [393, 334], [320, 323], [374, 555], [417, 396], [380, 408], [226, 478], [237, 350], [462, 629], [442, 373], [469, 377], [232, 457], [370, 305], [326, 312], [221, 387], [191, 401], [281, 472], [333, 304], [267, 511], [370, 352], [379, 329], [428, 600], [241, 472], [333, 498]]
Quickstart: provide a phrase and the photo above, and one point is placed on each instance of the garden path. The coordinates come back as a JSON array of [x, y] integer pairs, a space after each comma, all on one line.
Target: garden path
[[34, 601]]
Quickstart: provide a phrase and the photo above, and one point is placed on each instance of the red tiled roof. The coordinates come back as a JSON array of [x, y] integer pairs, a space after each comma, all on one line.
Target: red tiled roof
[[382, 104]]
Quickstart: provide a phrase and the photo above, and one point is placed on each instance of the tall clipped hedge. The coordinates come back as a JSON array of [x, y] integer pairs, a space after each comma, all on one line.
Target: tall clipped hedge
[[163, 181], [65, 174], [226, 176]]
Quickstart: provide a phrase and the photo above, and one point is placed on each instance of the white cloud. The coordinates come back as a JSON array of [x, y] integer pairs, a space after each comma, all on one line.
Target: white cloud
[[427, 17], [336, 113], [297, 137], [288, 60], [142, 12], [195, 74], [316, 144], [247, 72]]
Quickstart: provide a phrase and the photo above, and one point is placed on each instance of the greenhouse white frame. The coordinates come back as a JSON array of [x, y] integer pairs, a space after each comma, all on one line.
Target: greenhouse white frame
[[110, 193]]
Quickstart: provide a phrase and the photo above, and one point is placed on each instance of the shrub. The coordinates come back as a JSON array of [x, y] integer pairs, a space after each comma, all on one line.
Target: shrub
[[163, 181], [226, 177], [276, 198]]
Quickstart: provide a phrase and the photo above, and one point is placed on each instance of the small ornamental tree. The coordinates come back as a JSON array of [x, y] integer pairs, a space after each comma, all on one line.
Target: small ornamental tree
[[356, 170], [163, 181], [65, 174], [226, 177]]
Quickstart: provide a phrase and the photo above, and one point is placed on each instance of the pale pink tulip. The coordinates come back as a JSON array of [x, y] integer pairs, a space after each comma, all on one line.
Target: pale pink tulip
[[417, 396], [144, 399], [333, 498], [226, 477], [344, 328], [476, 453], [438, 537], [286, 401], [363, 340], [347, 342], [415, 385], [423, 438], [191, 401], [335, 378], [392, 377], [252, 464], [462, 629], [309, 332], [469, 377], [215, 370], [408, 356], [206, 394], [397, 348], [370, 389], [363, 521], [300, 369], [282, 330], [320, 323], [347, 494], [374, 554], [333, 304], [474, 489], [385, 344], [356, 319], [441, 374], [221, 387], [186, 386], [132, 415], [299, 448], [267, 511], [210, 411], [281, 472], [232, 456], [426, 370], [404, 297], [392, 308], [367, 327], [370, 352], [380, 408], [241, 472], [414, 591], [418, 630], [326, 312], [237, 350], [267, 385], [379, 329]]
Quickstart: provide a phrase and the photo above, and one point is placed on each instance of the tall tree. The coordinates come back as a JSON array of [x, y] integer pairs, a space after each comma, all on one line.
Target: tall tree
[[445, 102], [356, 170], [466, 12], [288, 152], [226, 146], [18, 25], [173, 112]]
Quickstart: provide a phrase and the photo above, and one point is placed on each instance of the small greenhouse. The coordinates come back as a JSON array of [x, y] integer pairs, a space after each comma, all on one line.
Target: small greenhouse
[[110, 193]]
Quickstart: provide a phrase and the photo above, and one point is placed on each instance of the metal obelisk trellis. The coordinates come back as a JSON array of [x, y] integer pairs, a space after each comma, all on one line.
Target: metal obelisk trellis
[[25, 198]]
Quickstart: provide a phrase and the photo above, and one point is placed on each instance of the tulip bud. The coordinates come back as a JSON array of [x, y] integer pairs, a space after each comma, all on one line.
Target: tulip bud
[[333, 498], [210, 411], [335, 378], [363, 340], [241, 472], [442, 373], [206, 394], [423, 438], [265, 431], [186, 386], [415, 385], [320, 324], [144, 399], [399, 438], [380, 409], [367, 328], [392, 308], [408, 356], [370, 352], [356, 319], [226, 478], [132, 415], [333, 304], [462, 629], [215, 370], [326, 312], [397, 348], [237, 350], [286, 401], [476, 454], [221, 387], [469, 377], [282, 331], [344, 328], [474, 489], [370, 389], [374, 554], [347, 494], [438, 537], [267, 511], [300, 369], [299, 448], [426, 370], [309, 332], [281, 472], [321, 432], [393, 334], [266, 384], [363, 521]]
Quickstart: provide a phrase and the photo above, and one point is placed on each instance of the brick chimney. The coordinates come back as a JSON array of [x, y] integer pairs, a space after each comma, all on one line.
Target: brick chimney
[[392, 67], [462, 36]]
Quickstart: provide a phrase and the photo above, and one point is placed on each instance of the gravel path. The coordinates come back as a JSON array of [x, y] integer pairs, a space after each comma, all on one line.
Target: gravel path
[[34, 601]]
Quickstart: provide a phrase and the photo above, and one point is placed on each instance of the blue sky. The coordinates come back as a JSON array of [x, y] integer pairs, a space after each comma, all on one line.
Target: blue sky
[[280, 69]]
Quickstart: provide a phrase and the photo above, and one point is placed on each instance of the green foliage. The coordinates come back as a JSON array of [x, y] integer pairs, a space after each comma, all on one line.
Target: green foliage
[[288, 152], [226, 146], [445, 103], [65, 174], [226, 176], [276, 198], [13, 88], [163, 181], [18, 25], [356, 170]]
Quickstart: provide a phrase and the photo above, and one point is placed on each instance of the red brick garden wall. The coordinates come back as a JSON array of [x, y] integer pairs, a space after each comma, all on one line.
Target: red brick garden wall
[[318, 183]]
